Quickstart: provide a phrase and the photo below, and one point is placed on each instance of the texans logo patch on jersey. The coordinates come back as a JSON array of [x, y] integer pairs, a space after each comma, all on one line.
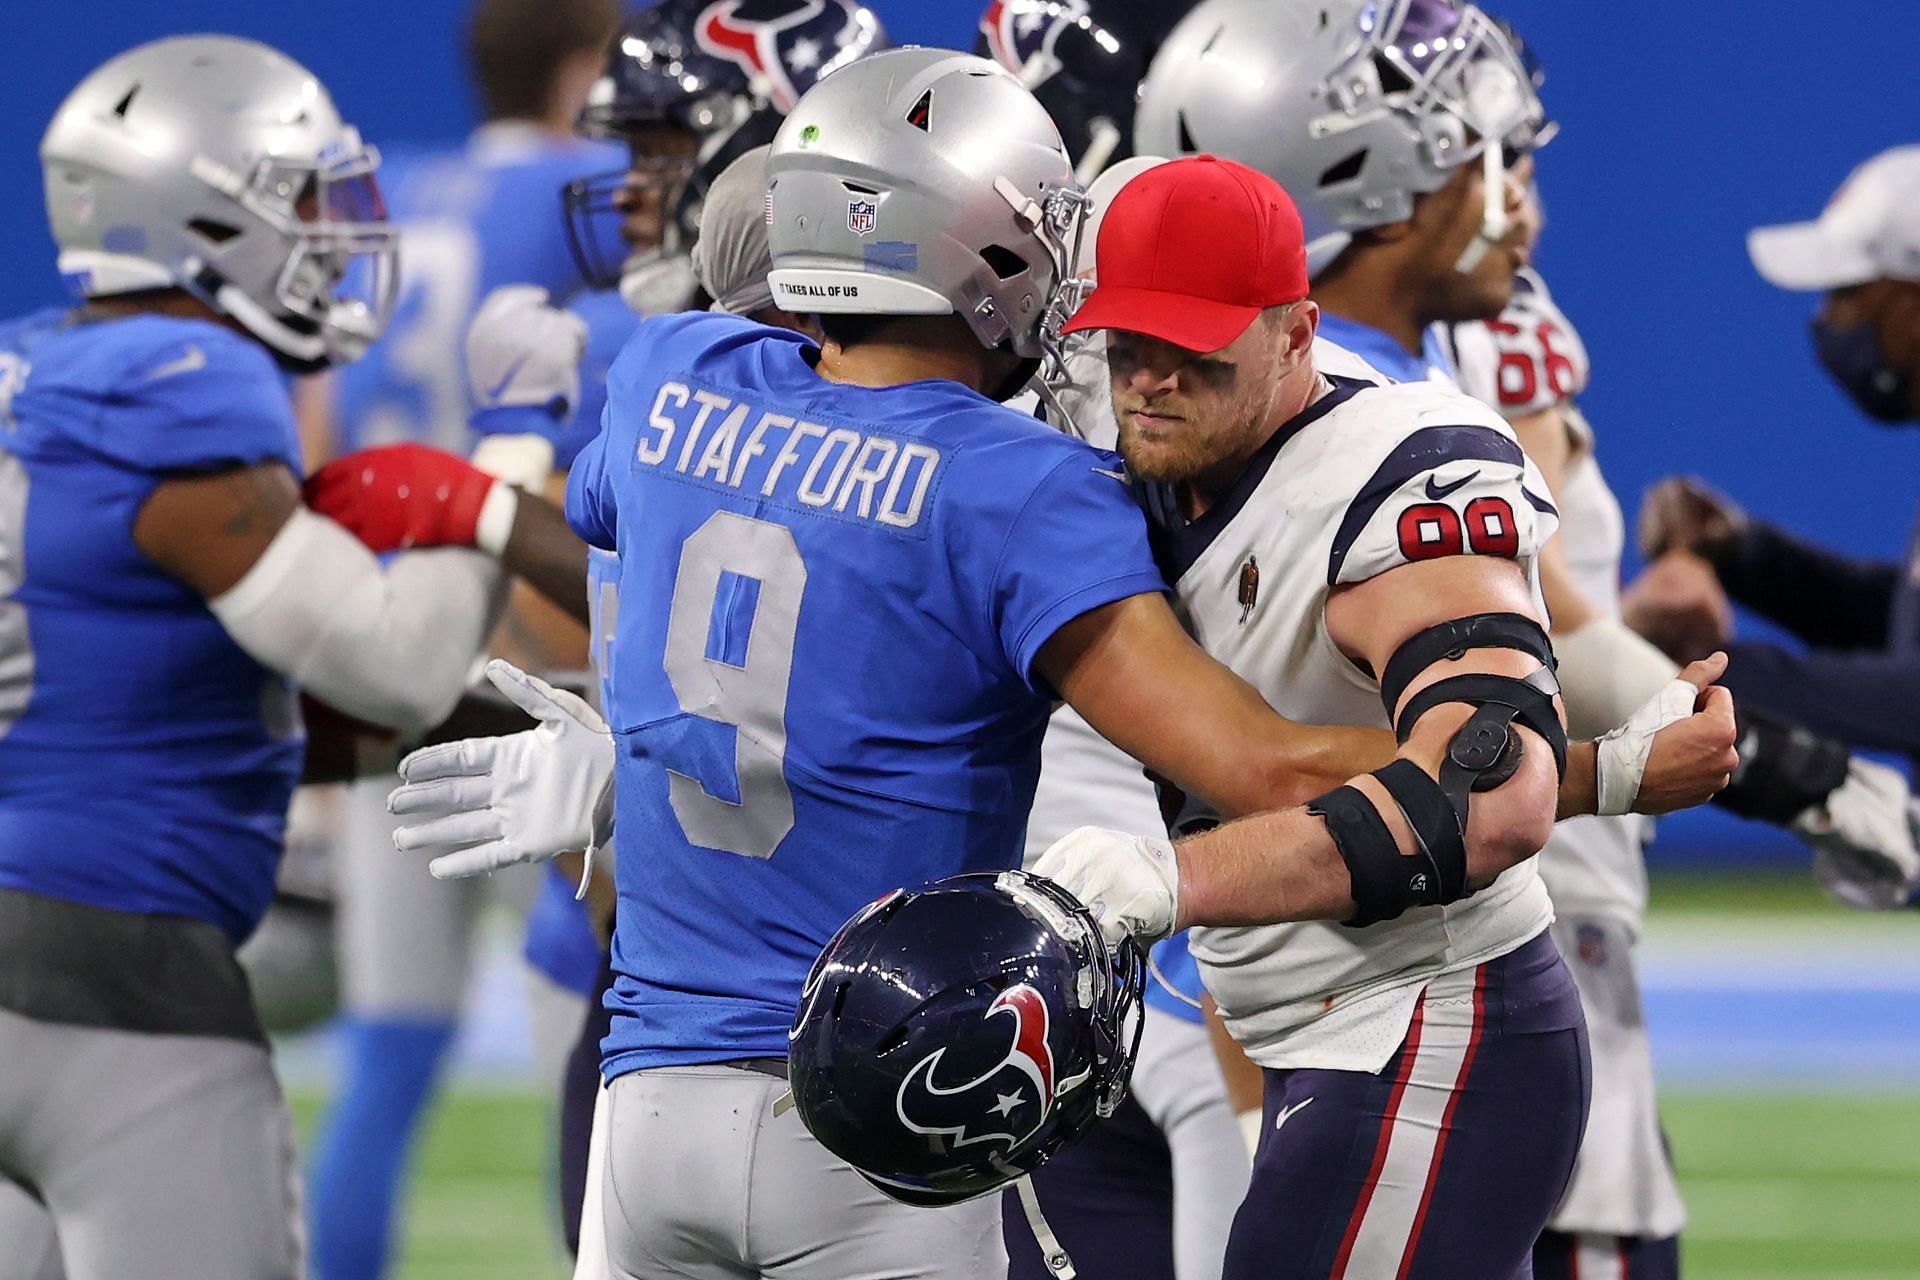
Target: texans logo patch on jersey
[[1021, 34], [1005, 1103], [784, 46]]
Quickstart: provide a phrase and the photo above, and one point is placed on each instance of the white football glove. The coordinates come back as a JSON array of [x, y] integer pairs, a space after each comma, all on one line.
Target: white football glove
[[1129, 884], [485, 803], [1863, 838], [1622, 754], [523, 353]]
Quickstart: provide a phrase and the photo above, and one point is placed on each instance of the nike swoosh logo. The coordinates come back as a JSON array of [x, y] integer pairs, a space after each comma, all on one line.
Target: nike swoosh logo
[[1121, 476], [1285, 1112], [194, 360], [1439, 491]]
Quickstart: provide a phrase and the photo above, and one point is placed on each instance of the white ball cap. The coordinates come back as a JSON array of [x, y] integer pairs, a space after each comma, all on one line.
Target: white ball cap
[[1870, 230]]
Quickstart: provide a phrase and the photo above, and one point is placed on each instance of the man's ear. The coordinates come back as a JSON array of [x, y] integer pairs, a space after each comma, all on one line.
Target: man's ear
[[1897, 324]]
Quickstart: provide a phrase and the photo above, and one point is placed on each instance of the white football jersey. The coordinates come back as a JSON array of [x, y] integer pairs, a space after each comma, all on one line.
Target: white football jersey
[[1370, 477], [1528, 360]]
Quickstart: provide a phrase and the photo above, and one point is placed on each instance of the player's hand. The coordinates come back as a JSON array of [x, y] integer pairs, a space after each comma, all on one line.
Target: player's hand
[[1863, 838], [1129, 884], [1685, 513], [1676, 751], [524, 353], [402, 495], [486, 803], [1679, 605]]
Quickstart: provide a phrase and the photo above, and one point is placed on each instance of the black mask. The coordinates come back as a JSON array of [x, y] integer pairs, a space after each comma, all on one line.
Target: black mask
[[1853, 356]]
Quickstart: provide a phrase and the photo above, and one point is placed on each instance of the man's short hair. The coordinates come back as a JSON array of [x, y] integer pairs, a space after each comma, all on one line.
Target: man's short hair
[[518, 46]]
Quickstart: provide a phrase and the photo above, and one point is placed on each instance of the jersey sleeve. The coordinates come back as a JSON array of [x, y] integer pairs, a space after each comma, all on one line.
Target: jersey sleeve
[[197, 400], [1079, 541], [591, 509], [1528, 359], [1444, 490]]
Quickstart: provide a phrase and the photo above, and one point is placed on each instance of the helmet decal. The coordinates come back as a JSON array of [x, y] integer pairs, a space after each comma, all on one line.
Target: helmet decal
[[1021, 34], [769, 49], [984, 1109]]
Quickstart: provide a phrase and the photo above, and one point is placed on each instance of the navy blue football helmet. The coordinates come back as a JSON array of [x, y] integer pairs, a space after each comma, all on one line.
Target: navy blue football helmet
[[726, 72], [1084, 60], [951, 1038]]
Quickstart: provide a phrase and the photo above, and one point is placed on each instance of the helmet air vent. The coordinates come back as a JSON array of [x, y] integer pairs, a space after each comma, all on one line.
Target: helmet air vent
[[921, 117], [211, 231], [1005, 262], [1392, 78], [1345, 170], [1212, 40], [1187, 145], [126, 100]]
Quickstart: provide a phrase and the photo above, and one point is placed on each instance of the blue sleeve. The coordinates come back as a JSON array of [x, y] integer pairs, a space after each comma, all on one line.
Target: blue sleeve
[[591, 510], [203, 400], [1863, 699], [1078, 542], [1175, 966]]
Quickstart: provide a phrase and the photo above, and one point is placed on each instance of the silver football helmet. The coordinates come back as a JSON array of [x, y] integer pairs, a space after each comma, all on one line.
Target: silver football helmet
[[1356, 107], [220, 166], [926, 182]]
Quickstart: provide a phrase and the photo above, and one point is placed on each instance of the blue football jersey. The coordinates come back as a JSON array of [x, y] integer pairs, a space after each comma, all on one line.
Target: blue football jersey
[[1384, 352], [830, 602], [145, 760], [1175, 984], [471, 220]]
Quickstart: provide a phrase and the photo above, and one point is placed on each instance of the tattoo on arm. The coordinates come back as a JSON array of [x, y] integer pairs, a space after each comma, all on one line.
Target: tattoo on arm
[[208, 530]]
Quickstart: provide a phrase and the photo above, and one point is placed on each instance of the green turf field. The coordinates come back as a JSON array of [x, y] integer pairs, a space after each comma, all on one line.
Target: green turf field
[[1781, 1187]]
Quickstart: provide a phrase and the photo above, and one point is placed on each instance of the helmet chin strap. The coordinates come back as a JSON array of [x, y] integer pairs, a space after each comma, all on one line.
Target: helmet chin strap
[[1493, 217], [1059, 1265]]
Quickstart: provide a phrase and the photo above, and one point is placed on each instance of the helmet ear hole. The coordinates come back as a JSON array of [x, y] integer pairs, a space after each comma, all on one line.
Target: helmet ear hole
[[1006, 264], [1392, 78]]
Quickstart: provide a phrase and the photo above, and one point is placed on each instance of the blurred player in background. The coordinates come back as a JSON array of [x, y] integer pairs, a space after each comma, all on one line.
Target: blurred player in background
[[1859, 681], [1414, 270], [164, 594], [471, 218]]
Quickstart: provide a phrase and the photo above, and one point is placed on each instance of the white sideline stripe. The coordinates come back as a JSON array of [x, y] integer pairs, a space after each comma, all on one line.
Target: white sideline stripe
[[1446, 1029], [1597, 1258]]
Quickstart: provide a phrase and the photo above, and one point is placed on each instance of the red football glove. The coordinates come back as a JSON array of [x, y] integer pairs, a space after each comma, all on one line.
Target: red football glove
[[401, 495]]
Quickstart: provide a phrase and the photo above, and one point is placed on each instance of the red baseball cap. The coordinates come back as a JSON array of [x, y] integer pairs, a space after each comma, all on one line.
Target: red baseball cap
[[1192, 251]]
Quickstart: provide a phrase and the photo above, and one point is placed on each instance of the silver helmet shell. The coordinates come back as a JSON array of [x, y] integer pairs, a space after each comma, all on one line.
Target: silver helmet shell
[[925, 182], [220, 166], [1356, 107]]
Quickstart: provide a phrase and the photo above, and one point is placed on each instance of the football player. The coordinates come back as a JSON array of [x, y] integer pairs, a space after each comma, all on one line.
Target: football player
[[1409, 248], [862, 592], [162, 594], [471, 218]]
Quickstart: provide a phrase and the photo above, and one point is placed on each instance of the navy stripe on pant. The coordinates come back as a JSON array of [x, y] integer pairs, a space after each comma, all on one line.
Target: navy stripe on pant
[[1443, 1165]]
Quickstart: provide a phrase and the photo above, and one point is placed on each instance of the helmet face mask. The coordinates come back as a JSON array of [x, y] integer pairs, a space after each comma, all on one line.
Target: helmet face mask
[[220, 167], [952, 1038]]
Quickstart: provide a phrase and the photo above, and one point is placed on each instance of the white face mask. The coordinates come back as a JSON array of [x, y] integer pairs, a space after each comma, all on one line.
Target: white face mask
[[658, 283]]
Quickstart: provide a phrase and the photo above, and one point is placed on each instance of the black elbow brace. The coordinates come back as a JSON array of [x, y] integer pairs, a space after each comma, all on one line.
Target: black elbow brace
[[1783, 770], [1483, 754]]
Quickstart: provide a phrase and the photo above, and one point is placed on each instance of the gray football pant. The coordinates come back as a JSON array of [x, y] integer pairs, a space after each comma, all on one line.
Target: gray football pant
[[701, 1181], [159, 1156]]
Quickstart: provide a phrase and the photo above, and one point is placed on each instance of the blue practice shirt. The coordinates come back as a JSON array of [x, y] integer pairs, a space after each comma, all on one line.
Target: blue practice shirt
[[145, 760], [831, 598]]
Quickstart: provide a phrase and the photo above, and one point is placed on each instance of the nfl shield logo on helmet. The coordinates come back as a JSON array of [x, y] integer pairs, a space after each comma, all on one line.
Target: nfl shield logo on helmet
[[862, 216]]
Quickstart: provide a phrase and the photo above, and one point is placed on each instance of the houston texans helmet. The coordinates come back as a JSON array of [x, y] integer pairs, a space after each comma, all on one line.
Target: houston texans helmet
[[1356, 107], [952, 1038], [726, 72], [1084, 60]]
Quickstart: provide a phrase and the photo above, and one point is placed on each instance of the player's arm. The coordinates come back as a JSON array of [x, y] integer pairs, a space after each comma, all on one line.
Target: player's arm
[[303, 597]]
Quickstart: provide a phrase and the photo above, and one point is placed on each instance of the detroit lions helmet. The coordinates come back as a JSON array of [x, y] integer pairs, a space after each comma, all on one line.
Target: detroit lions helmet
[[1084, 60], [221, 167], [952, 1038], [925, 182], [726, 72], [1356, 107]]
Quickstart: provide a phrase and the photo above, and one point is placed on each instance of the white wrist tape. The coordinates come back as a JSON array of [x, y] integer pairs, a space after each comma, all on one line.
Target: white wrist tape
[[525, 459], [1621, 759], [1606, 674], [495, 526], [392, 647]]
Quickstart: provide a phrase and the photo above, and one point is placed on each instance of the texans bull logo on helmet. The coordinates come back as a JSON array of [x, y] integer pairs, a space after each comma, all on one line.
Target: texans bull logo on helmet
[[1021, 34], [1005, 1103], [772, 40]]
